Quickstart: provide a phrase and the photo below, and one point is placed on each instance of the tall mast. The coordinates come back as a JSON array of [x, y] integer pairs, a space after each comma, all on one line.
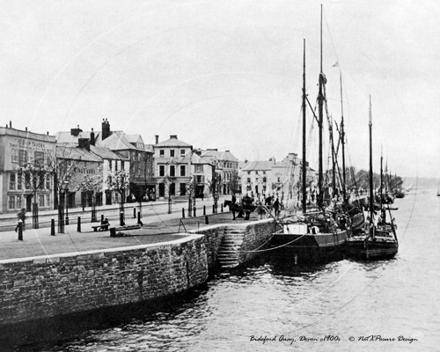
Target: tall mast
[[344, 191], [381, 179], [371, 166], [333, 159], [320, 123], [304, 168]]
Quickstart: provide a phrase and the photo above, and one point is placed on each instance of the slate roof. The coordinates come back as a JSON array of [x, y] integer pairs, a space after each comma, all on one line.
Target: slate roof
[[106, 153], [172, 142], [258, 165], [219, 155], [72, 153]]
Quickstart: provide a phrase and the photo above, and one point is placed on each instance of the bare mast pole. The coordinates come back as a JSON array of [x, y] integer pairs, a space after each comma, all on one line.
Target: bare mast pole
[[344, 190], [320, 123], [304, 168], [371, 166]]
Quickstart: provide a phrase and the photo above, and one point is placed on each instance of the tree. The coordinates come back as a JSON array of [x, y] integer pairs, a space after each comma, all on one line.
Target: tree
[[91, 185], [234, 182], [33, 176], [119, 181], [214, 186]]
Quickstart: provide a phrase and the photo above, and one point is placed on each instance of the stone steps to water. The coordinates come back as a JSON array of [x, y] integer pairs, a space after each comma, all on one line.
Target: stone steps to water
[[229, 251]]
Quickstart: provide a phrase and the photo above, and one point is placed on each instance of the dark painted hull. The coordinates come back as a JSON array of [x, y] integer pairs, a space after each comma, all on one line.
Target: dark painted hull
[[309, 248]]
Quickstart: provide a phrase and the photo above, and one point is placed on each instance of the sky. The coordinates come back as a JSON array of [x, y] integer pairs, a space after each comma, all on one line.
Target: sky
[[228, 74]]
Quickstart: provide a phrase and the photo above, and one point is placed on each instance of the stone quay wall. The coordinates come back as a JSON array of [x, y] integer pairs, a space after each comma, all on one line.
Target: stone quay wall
[[255, 234], [43, 287]]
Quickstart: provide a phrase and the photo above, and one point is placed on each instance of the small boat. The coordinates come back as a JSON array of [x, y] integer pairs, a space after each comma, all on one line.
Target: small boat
[[377, 240]]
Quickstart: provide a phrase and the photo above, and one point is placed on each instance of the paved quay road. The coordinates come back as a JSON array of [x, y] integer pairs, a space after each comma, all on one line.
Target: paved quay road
[[163, 228], [149, 210]]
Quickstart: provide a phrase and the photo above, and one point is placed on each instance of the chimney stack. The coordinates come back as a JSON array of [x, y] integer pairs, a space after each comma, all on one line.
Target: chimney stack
[[105, 129], [157, 138], [10, 124], [92, 137], [173, 136]]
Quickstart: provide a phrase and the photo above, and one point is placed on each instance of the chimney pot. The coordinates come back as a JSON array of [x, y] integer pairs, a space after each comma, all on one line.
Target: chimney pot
[[157, 138], [10, 124]]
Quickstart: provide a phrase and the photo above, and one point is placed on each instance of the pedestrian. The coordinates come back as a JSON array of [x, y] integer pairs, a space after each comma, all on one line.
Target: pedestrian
[[276, 207], [21, 218]]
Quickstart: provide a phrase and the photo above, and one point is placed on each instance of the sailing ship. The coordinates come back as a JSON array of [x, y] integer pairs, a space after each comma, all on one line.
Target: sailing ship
[[313, 236], [378, 240]]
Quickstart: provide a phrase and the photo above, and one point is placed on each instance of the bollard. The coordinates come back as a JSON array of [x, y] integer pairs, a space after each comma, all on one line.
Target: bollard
[[213, 209], [102, 218], [78, 227], [52, 227], [206, 220], [221, 208], [121, 219], [134, 213], [194, 211], [204, 210], [183, 213], [20, 230], [139, 218]]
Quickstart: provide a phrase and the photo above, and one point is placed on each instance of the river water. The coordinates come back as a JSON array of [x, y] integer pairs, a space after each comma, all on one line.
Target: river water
[[389, 305]]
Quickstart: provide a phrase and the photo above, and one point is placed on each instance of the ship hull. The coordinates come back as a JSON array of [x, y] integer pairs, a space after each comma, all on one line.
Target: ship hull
[[372, 249], [309, 248]]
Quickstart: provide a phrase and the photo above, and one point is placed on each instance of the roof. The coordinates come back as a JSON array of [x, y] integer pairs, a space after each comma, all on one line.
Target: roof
[[196, 159], [219, 155], [106, 153], [172, 142], [72, 153], [117, 141], [258, 165]]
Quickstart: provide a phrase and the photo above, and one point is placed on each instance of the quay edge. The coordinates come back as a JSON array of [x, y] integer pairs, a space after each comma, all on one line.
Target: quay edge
[[44, 287]]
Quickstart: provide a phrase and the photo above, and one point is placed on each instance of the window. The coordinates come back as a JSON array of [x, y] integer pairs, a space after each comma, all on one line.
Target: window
[[182, 152], [110, 165], [199, 179], [199, 168], [39, 158], [122, 165], [182, 189], [264, 172], [249, 180], [41, 181], [47, 199], [11, 202], [256, 172], [18, 205], [172, 189], [41, 200], [20, 180], [22, 157], [172, 153], [27, 180], [162, 153], [47, 182], [172, 171], [12, 184], [264, 179], [161, 170], [249, 172], [116, 165], [14, 155], [182, 170]]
